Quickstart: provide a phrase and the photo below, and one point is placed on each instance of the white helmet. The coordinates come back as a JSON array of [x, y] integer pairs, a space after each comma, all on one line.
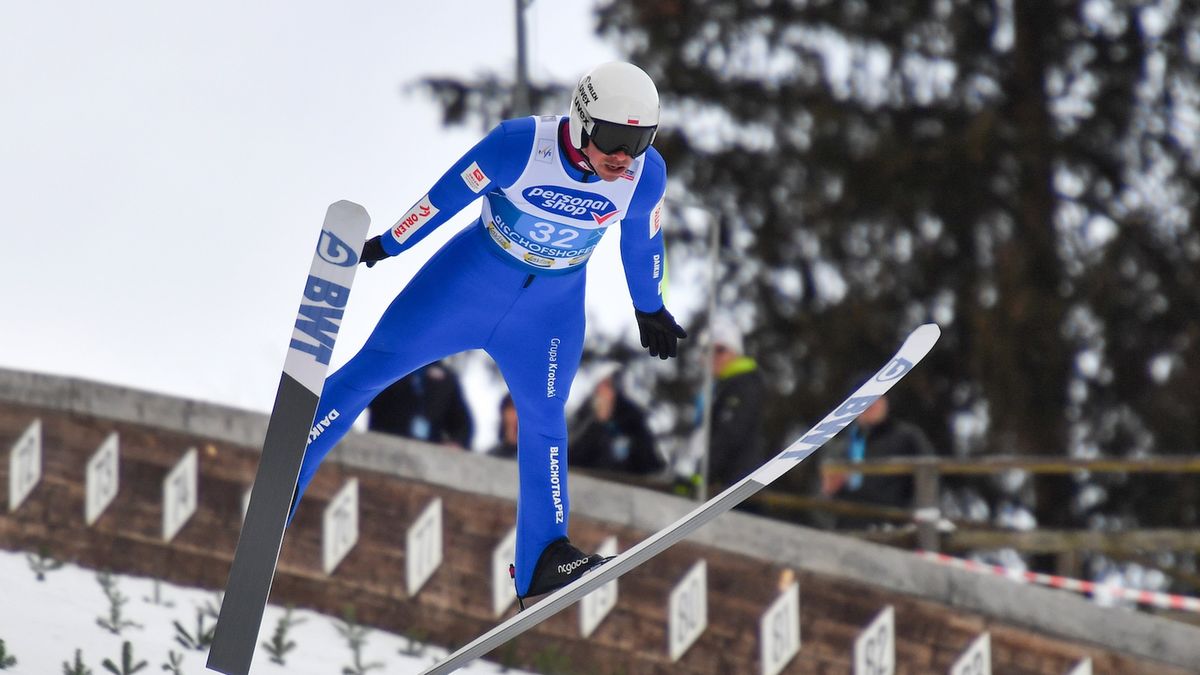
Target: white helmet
[[615, 107]]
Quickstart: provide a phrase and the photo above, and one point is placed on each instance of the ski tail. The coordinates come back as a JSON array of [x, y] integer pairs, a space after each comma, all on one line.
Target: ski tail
[[326, 292], [915, 347]]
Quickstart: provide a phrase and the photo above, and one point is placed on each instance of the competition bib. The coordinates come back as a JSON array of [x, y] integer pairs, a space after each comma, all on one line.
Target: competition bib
[[548, 220], [539, 242]]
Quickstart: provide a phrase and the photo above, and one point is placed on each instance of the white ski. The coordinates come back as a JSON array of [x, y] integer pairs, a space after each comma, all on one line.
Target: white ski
[[915, 347], [325, 294]]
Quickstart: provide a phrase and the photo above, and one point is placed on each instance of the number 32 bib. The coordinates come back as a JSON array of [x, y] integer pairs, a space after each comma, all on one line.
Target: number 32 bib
[[548, 220]]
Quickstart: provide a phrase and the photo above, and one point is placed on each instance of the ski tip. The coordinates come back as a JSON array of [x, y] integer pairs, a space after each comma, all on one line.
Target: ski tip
[[928, 330], [349, 208], [921, 340]]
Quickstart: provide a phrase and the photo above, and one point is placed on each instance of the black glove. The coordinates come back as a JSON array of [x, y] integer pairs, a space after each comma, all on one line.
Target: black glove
[[372, 251], [660, 333]]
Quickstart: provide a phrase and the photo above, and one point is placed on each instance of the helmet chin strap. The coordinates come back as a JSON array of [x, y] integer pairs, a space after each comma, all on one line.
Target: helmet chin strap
[[576, 155], [585, 163]]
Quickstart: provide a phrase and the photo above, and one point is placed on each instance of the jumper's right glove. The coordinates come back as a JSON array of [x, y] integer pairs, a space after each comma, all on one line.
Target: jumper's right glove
[[660, 334], [372, 251]]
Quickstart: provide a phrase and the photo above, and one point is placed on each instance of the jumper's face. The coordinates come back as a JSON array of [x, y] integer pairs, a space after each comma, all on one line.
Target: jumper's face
[[608, 167]]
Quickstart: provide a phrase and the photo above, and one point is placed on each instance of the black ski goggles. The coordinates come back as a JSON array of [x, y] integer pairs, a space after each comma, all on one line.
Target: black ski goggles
[[609, 137]]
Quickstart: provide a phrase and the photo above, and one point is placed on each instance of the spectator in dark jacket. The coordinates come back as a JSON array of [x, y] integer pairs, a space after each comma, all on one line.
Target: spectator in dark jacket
[[736, 445], [876, 434], [427, 405], [506, 445], [610, 432]]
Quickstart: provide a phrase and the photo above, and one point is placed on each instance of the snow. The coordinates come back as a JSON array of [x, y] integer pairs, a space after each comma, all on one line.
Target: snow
[[43, 623]]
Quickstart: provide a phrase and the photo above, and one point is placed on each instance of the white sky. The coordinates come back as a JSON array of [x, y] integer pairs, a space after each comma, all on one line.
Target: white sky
[[165, 168]]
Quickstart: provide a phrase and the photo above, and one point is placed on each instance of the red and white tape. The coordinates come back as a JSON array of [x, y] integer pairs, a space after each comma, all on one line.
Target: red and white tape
[[1153, 598]]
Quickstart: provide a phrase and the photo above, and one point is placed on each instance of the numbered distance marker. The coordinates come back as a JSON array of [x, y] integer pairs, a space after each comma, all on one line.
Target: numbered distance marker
[[779, 631], [875, 647], [977, 660], [102, 479], [339, 531], [1084, 667], [25, 465], [179, 494], [423, 546], [688, 611]]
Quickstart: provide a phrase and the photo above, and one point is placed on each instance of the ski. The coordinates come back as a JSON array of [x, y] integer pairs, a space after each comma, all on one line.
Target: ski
[[325, 293], [915, 347]]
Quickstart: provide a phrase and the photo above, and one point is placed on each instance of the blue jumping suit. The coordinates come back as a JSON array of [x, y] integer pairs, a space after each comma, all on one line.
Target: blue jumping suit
[[512, 284]]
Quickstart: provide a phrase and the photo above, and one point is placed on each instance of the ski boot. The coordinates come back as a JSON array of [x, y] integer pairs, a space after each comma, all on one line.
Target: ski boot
[[560, 564]]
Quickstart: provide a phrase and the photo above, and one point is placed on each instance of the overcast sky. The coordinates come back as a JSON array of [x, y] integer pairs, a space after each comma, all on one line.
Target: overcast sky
[[165, 168]]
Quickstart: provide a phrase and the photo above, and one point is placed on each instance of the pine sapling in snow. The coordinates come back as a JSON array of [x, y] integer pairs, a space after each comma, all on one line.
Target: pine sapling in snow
[[76, 668], [156, 598], [42, 562], [175, 661], [356, 637], [128, 667], [416, 639], [279, 644], [212, 608], [6, 660], [201, 639], [115, 622]]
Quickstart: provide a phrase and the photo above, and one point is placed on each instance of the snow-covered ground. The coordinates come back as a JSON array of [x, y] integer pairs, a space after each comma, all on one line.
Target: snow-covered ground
[[42, 623]]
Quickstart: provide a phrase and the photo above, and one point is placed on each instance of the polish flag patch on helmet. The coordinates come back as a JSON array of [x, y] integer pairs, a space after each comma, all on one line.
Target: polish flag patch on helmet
[[475, 178]]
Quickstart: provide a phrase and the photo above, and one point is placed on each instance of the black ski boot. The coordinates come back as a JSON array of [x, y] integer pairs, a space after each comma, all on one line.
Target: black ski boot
[[560, 564]]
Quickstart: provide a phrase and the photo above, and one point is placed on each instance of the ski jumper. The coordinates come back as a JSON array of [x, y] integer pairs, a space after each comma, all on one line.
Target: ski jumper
[[512, 284]]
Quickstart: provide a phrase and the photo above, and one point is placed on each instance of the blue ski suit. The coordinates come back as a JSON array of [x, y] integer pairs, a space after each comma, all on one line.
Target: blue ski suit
[[512, 284]]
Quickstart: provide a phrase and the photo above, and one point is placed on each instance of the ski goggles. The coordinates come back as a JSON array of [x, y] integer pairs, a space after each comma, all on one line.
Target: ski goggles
[[609, 137]]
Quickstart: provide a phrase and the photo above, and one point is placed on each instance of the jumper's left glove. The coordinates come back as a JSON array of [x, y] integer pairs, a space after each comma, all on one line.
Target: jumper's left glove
[[660, 333], [372, 251]]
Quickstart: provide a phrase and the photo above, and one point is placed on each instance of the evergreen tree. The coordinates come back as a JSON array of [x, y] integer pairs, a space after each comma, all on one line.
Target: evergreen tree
[[1022, 172]]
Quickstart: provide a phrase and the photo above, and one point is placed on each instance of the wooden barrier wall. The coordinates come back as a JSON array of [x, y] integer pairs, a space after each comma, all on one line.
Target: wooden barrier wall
[[429, 561]]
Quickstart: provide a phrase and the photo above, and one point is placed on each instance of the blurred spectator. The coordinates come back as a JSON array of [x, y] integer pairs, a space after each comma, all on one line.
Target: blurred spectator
[[610, 431], [506, 445], [876, 434], [427, 405], [736, 444]]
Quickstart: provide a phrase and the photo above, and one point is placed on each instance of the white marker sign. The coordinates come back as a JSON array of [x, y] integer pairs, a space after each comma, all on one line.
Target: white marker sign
[[597, 604], [503, 591], [875, 648], [688, 611], [779, 631], [179, 494], [1083, 668], [25, 465], [102, 479], [339, 531], [977, 660], [423, 549]]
